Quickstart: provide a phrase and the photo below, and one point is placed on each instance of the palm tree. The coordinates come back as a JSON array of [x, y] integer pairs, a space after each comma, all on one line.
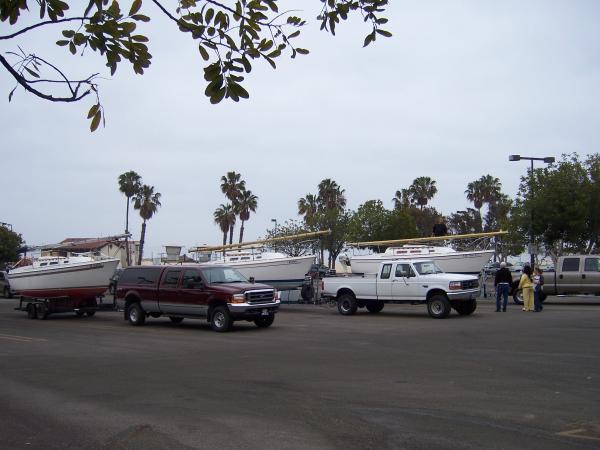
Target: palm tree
[[331, 195], [147, 202], [308, 207], [491, 188], [477, 195], [422, 190], [223, 216], [401, 199], [232, 186], [129, 184], [247, 202]]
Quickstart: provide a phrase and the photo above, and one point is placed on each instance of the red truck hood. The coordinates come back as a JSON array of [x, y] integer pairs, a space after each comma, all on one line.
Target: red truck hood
[[237, 288]]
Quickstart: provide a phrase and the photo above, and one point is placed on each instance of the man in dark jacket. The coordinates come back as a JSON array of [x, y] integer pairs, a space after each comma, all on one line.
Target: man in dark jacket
[[502, 284]]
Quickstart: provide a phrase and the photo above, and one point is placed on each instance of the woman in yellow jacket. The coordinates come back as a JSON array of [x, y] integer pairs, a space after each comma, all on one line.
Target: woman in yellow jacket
[[526, 284]]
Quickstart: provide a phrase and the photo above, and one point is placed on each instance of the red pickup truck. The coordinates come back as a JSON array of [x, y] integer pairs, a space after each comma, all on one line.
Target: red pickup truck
[[217, 294]]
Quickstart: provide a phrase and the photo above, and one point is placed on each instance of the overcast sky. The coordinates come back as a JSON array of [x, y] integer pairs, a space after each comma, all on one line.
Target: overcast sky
[[459, 87]]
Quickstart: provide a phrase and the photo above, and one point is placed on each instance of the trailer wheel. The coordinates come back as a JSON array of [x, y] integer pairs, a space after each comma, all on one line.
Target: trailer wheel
[[307, 292], [220, 319], [374, 307], [42, 311], [136, 315], [31, 311], [346, 304], [438, 306]]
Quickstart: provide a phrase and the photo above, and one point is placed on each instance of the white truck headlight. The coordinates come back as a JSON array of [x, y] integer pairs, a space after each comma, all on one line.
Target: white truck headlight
[[455, 285]]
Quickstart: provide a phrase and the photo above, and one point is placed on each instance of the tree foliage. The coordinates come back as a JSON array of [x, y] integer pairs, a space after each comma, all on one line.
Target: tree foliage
[[292, 247], [327, 211], [373, 222], [231, 36], [10, 243], [561, 198]]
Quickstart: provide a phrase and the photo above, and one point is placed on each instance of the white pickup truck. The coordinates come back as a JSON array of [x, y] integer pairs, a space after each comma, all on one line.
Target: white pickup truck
[[404, 281]]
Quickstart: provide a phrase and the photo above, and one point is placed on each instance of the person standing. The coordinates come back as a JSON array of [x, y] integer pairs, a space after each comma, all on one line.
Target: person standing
[[538, 282], [440, 228], [502, 282], [526, 284]]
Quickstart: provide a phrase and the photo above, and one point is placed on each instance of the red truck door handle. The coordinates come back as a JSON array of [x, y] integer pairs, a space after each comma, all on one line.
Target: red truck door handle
[[560, 276], [583, 276]]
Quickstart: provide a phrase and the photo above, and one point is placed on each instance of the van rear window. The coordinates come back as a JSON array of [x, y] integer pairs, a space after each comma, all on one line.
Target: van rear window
[[140, 275]]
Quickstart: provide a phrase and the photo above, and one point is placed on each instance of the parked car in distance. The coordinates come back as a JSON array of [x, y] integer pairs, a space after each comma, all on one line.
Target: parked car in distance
[[4, 285], [573, 274], [492, 267], [218, 294]]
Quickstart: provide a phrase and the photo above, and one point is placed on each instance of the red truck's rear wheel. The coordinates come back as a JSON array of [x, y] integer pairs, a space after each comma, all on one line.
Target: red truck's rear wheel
[[135, 314]]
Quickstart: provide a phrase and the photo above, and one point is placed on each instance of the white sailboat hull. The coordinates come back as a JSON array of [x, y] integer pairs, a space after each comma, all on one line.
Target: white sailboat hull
[[82, 279], [281, 273], [455, 262]]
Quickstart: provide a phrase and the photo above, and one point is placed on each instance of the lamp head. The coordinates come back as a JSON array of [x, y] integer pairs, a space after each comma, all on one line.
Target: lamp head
[[549, 159], [514, 157]]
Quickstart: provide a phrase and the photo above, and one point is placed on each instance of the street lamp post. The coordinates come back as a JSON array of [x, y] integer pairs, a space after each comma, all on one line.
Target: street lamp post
[[547, 160]]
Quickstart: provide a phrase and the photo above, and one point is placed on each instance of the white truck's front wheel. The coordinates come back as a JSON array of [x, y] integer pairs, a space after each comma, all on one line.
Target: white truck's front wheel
[[438, 306], [346, 304]]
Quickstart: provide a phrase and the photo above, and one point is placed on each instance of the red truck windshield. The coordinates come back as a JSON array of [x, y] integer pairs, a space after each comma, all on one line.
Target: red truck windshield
[[222, 275]]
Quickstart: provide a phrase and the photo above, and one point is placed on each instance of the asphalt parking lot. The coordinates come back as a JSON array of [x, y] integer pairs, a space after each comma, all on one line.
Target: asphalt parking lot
[[315, 379]]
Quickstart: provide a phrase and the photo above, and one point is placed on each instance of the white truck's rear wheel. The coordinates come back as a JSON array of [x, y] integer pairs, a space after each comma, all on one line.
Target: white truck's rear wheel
[[346, 304]]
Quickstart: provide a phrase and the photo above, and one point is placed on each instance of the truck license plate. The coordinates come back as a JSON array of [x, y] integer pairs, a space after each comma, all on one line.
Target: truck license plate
[[265, 312]]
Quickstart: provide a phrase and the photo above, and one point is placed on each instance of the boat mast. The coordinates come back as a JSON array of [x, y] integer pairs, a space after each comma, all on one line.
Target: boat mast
[[216, 248], [427, 239]]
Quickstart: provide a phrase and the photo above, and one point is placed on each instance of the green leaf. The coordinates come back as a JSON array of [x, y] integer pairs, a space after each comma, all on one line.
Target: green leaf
[[72, 48], [93, 110], [141, 18], [68, 33], [139, 38], [302, 51], [203, 52], [62, 43], [217, 96], [384, 33], [135, 7], [95, 121], [11, 94]]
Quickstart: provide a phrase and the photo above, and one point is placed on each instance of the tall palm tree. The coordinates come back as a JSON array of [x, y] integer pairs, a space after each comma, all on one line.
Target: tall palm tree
[[422, 190], [129, 184], [308, 207], [247, 202], [232, 186], [401, 199], [476, 194], [331, 195], [491, 188], [147, 202], [223, 216]]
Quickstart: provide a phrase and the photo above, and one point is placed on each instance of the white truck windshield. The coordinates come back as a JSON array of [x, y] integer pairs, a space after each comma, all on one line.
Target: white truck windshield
[[427, 268]]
